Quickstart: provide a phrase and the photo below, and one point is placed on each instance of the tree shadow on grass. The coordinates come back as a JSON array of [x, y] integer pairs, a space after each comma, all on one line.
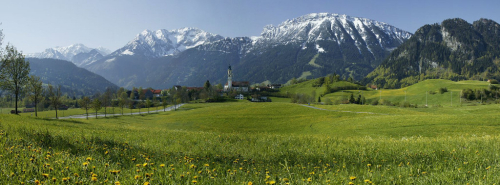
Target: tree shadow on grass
[[65, 120]]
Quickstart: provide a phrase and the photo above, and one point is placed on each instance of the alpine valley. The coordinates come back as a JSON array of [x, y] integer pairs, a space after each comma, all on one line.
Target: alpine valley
[[309, 46]]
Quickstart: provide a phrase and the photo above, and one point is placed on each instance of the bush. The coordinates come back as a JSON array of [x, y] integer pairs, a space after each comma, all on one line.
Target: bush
[[443, 90], [493, 81], [374, 102], [432, 92]]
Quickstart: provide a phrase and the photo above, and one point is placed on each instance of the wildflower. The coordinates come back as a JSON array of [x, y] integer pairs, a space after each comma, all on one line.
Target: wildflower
[[146, 183], [369, 165], [76, 174], [250, 183], [207, 165], [45, 175], [194, 181], [64, 179], [195, 177], [368, 181], [117, 183], [309, 179], [351, 183], [145, 164], [37, 182], [352, 178], [162, 165], [272, 182], [182, 176], [85, 163], [54, 179], [94, 179], [89, 158], [137, 177], [286, 179]]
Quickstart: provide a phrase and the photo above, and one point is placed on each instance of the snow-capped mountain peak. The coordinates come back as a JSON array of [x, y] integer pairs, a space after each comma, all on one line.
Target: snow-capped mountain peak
[[335, 27], [67, 52], [164, 42]]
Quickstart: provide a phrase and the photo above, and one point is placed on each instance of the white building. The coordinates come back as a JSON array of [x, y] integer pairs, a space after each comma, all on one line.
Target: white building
[[239, 97]]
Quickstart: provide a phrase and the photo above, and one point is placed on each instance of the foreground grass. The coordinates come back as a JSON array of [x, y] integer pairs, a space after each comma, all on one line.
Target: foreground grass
[[262, 143]]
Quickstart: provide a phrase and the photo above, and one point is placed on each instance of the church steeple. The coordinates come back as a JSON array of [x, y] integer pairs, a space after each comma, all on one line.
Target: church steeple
[[229, 78]]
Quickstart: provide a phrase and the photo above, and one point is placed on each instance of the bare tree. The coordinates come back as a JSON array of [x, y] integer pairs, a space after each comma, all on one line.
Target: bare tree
[[14, 71]]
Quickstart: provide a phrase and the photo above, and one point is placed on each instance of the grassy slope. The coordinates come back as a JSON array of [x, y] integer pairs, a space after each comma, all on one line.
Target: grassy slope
[[415, 94], [307, 88]]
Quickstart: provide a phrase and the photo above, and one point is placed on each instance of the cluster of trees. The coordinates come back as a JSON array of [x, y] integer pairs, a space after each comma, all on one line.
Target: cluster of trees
[[481, 94]]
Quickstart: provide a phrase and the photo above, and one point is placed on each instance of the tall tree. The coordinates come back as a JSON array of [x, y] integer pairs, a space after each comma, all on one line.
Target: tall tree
[[207, 85], [54, 95], [14, 72], [35, 91], [96, 105], [85, 104]]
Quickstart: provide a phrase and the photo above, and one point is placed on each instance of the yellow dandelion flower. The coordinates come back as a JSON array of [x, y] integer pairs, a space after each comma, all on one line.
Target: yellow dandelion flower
[[352, 178], [146, 183], [250, 183], [37, 182], [76, 174], [145, 164], [94, 179], [351, 183], [206, 165], [89, 158], [162, 165], [286, 179], [64, 179], [195, 177], [182, 176], [54, 179], [272, 182], [194, 181], [45, 175], [137, 177], [309, 179], [85, 164], [369, 165], [117, 183]]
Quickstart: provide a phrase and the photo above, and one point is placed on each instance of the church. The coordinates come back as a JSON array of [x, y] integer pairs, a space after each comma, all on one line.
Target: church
[[242, 86]]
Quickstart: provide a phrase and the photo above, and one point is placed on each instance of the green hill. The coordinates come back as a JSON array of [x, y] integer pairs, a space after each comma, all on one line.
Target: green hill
[[416, 94], [308, 87]]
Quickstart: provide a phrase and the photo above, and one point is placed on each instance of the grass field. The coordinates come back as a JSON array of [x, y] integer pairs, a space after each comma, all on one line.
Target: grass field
[[416, 94], [262, 143]]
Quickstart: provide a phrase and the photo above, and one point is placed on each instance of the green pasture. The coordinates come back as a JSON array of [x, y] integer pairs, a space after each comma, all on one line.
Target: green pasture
[[257, 143]]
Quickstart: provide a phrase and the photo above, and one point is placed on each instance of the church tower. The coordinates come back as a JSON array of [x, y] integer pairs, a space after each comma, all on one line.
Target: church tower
[[229, 78]]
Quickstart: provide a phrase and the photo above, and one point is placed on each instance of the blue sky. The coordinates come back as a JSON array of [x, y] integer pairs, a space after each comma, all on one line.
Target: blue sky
[[33, 26]]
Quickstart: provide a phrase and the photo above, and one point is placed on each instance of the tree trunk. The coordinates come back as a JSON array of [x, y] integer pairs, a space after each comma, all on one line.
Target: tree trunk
[[56, 112], [95, 114], [16, 102], [87, 111]]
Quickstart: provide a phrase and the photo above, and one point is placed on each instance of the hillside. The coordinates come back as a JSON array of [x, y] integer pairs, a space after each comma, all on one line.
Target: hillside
[[454, 49], [310, 46], [308, 87], [416, 93], [74, 80]]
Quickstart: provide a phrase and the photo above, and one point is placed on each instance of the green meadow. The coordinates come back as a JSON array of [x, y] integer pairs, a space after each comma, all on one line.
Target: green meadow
[[258, 143]]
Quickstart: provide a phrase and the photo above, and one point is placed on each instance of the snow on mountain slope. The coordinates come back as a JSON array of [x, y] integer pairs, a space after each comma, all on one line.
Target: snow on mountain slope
[[334, 27], [162, 42], [67, 53]]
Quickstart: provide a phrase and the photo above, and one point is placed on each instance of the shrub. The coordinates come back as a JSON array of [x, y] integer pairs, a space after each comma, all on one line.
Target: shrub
[[443, 90], [374, 102]]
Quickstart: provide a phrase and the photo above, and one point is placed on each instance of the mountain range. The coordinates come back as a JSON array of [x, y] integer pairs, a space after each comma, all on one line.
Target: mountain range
[[73, 80], [453, 49], [79, 54], [308, 46]]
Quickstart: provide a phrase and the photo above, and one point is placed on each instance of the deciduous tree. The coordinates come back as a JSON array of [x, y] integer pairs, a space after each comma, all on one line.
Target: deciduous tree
[[54, 95], [14, 71], [86, 104], [35, 91], [96, 105]]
